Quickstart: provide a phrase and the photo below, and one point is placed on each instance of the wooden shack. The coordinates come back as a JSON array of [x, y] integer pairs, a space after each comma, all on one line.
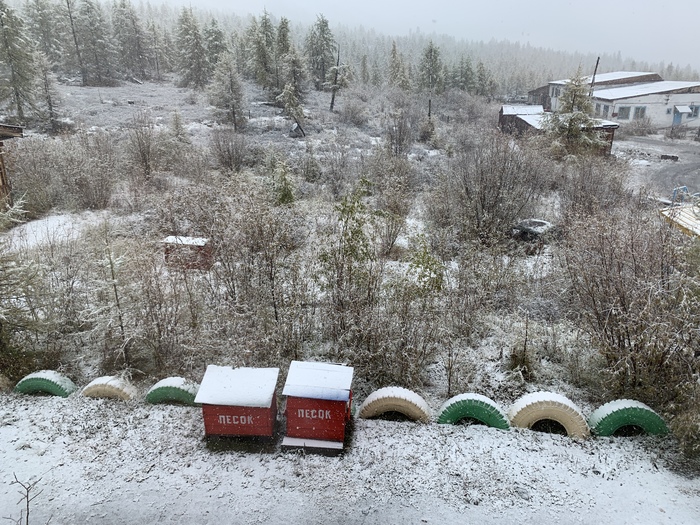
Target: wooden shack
[[318, 406], [238, 401], [6, 132], [192, 253]]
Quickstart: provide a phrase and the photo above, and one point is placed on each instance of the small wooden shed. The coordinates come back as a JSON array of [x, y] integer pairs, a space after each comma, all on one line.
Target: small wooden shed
[[319, 402], [238, 401], [192, 253]]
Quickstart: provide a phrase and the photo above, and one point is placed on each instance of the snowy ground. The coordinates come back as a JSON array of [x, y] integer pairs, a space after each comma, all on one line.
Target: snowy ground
[[103, 461], [106, 461]]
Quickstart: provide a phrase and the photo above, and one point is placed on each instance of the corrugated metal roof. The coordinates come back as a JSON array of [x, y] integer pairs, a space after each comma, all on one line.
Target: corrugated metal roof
[[640, 90], [522, 110], [607, 77]]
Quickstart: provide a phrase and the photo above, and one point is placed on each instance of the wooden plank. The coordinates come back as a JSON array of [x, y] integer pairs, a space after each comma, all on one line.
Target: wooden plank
[[10, 132], [312, 443]]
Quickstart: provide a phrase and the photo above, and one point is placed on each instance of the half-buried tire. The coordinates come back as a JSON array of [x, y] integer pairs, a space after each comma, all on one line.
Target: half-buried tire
[[173, 390], [612, 416], [46, 382], [473, 406], [395, 399], [540, 406], [111, 387]]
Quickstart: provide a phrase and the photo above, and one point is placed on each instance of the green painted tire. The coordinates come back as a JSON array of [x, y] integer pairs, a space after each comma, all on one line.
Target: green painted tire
[[612, 416], [473, 406], [173, 390], [46, 382]]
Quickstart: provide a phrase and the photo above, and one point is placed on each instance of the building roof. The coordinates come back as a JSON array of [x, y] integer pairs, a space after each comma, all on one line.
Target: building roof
[[522, 110], [186, 241], [608, 77], [639, 90], [536, 122], [243, 387], [318, 381], [684, 217]]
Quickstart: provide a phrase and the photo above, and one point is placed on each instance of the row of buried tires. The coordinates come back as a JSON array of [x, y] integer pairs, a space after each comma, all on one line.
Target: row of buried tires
[[526, 412]]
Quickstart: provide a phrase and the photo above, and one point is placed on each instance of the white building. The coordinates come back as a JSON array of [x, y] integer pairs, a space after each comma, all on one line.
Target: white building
[[601, 81], [667, 103]]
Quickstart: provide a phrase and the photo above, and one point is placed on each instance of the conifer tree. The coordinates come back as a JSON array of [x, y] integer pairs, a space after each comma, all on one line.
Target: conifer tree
[[293, 73], [320, 48], [225, 92], [71, 14], [398, 76], [131, 39], [98, 55], [215, 41], [263, 46], [193, 65], [571, 126], [430, 70], [46, 28], [17, 86]]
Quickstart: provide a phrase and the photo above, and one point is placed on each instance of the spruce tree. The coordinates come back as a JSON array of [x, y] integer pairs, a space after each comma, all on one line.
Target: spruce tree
[[192, 63], [46, 28], [131, 40], [214, 41], [320, 48], [225, 92], [18, 80], [430, 70], [98, 55]]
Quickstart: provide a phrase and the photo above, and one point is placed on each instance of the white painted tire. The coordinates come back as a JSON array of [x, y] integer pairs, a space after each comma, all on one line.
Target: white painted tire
[[111, 387], [395, 399], [539, 406]]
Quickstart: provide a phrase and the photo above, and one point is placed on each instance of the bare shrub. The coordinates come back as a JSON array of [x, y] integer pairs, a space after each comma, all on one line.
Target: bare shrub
[[490, 184], [73, 172], [354, 113], [631, 295], [588, 185], [229, 149], [637, 128]]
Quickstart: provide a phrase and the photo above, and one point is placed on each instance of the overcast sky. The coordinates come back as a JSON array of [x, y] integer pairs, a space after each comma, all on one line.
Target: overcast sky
[[652, 31]]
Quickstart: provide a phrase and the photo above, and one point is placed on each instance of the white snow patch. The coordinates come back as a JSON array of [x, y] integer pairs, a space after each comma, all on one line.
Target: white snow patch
[[245, 387]]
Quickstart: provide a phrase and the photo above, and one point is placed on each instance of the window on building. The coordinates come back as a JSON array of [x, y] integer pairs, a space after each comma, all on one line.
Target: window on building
[[623, 113], [640, 112], [669, 111], [597, 110], [606, 110], [694, 111]]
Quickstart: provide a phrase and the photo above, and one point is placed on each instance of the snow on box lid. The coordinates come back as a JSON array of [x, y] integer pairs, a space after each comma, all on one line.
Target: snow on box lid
[[318, 381], [186, 241], [245, 387]]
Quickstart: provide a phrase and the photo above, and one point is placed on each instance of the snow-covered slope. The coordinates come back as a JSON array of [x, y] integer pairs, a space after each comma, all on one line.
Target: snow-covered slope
[[103, 461]]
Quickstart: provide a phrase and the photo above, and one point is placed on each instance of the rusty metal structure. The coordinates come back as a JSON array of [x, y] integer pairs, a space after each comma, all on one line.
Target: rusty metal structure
[[6, 132]]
